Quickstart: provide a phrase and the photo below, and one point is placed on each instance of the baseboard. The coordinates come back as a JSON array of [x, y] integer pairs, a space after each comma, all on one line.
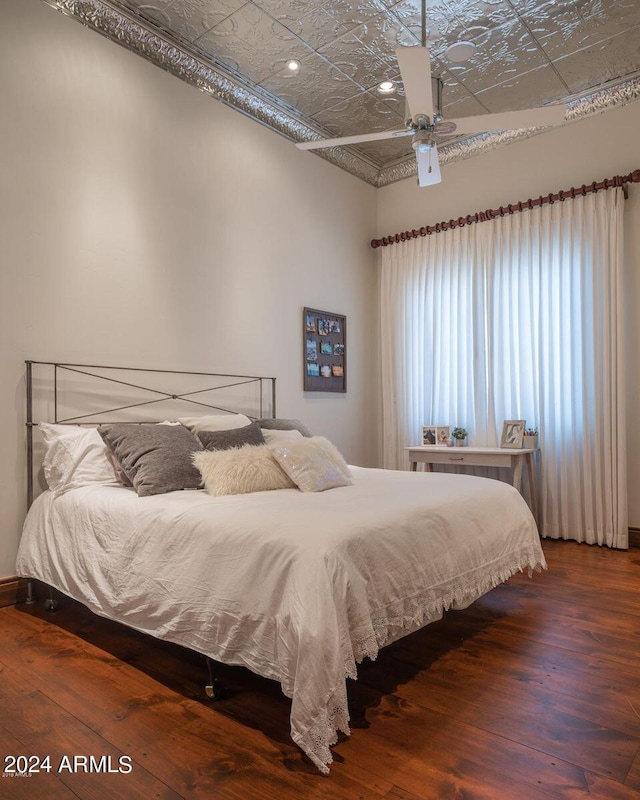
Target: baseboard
[[634, 537], [12, 591]]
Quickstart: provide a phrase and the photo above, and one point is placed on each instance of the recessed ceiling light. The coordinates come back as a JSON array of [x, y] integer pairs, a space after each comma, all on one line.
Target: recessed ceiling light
[[293, 65], [386, 87], [460, 51]]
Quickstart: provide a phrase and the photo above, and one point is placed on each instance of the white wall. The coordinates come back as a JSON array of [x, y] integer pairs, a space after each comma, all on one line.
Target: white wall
[[594, 148], [145, 224]]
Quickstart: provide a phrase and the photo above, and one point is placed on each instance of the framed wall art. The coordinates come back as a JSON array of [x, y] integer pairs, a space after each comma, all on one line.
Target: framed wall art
[[324, 351]]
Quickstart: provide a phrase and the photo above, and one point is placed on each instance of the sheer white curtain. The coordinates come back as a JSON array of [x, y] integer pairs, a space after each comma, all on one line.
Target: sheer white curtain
[[518, 318]]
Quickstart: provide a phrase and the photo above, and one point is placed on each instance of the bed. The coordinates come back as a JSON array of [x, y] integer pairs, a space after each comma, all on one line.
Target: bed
[[296, 586]]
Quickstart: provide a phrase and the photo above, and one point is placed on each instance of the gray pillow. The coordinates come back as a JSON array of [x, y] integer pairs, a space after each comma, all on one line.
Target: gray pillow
[[236, 437], [155, 458], [285, 425]]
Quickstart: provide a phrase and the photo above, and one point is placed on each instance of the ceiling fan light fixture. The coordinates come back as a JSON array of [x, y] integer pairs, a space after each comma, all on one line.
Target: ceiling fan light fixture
[[461, 51], [293, 65], [387, 87], [422, 141]]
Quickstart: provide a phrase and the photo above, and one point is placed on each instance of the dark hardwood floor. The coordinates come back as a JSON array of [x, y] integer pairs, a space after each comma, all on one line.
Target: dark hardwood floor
[[531, 693]]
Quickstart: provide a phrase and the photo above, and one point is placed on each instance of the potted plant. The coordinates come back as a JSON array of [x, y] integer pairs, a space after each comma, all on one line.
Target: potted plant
[[459, 434]]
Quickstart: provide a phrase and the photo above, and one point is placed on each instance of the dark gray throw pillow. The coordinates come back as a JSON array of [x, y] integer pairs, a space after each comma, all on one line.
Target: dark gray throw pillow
[[155, 458], [236, 437], [285, 425]]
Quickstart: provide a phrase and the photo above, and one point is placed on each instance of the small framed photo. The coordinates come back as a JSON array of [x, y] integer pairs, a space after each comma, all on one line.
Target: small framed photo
[[338, 349], [312, 350], [310, 324], [443, 434], [326, 348], [325, 371], [513, 433], [337, 371], [429, 434], [324, 327], [313, 369], [334, 326]]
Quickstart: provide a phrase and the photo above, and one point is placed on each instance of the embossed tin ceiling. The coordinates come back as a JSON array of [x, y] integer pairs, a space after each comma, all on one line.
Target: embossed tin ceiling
[[529, 52]]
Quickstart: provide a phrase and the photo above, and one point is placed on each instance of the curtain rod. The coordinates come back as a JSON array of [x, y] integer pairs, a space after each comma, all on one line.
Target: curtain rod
[[512, 208]]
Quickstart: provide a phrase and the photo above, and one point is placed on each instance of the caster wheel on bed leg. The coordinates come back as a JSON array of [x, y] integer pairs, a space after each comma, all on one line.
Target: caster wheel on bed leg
[[215, 690], [51, 605]]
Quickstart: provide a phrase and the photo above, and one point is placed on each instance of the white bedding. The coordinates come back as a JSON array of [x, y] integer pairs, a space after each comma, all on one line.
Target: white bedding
[[295, 586]]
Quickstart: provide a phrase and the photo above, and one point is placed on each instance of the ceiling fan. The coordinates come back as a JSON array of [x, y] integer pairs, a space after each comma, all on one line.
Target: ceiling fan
[[425, 122]]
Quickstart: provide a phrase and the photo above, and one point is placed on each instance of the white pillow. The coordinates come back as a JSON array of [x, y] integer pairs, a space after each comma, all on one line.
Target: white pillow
[[240, 470], [215, 422], [75, 457], [313, 464], [273, 437]]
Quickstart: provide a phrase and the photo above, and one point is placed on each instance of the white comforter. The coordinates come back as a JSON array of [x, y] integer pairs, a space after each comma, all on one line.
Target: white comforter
[[297, 587]]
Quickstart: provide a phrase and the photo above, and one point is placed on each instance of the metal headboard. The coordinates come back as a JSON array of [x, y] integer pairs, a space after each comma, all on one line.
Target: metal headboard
[[265, 386]]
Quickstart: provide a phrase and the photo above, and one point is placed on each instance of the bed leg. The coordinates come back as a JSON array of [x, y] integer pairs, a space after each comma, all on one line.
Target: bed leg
[[30, 598], [51, 603], [214, 689]]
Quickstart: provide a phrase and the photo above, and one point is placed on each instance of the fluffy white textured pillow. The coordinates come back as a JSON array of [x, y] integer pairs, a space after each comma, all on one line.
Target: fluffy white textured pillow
[[214, 422], [241, 470], [313, 464], [280, 437], [75, 457]]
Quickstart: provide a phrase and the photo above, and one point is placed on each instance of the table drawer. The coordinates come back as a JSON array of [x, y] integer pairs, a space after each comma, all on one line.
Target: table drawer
[[463, 459]]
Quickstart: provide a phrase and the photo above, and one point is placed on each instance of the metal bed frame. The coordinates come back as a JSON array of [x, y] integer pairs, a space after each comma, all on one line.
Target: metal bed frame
[[83, 419], [265, 386]]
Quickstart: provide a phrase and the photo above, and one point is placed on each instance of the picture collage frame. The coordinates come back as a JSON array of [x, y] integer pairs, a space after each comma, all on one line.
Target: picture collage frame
[[324, 351]]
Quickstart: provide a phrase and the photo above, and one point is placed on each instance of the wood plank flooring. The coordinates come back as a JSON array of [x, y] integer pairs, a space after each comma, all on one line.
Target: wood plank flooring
[[532, 693]]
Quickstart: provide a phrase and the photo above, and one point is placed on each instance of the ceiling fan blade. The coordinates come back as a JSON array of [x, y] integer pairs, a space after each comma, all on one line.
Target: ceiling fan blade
[[365, 137], [511, 120], [428, 166], [415, 69]]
